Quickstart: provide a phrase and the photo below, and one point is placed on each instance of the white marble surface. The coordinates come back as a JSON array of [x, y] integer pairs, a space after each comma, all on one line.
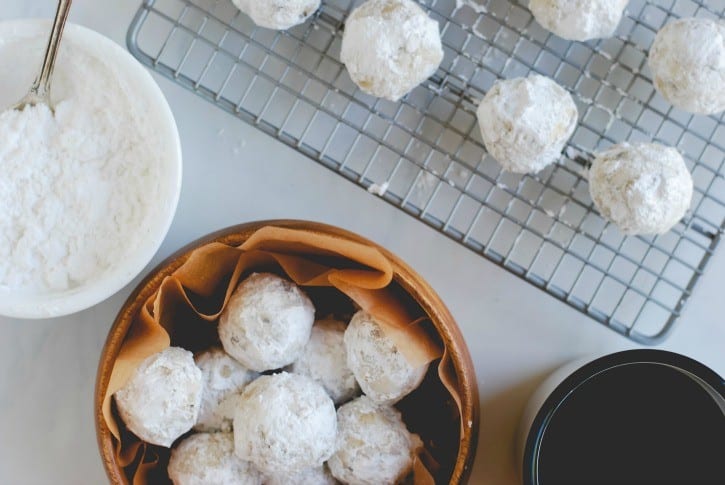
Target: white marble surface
[[47, 368]]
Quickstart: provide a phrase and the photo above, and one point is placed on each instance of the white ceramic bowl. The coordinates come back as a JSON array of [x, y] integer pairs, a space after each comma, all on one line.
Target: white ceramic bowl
[[16, 74]]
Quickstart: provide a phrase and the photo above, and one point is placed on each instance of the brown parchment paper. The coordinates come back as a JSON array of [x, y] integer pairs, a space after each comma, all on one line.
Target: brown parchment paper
[[188, 303]]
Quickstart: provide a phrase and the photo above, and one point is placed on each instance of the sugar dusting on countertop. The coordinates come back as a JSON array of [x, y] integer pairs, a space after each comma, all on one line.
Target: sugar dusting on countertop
[[76, 182], [379, 189]]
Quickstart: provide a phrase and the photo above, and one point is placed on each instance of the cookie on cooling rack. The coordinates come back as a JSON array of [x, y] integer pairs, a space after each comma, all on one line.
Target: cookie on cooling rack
[[525, 122], [390, 46], [687, 59], [579, 19], [644, 188], [278, 14]]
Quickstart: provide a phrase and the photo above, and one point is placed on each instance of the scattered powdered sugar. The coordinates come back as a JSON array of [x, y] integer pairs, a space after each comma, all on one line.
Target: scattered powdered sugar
[[76, 185], [233, 139], [379, 189], [473, 5], [435, 88], [462, 172], [424, 185], [493, 56], [582, 159], [239, 146], [390, 46]]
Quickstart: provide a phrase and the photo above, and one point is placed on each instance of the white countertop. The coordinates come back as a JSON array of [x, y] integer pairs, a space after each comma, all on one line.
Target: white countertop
[[48, 367]]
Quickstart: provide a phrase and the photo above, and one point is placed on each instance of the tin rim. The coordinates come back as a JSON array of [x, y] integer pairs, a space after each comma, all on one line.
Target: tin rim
[[708, 379]]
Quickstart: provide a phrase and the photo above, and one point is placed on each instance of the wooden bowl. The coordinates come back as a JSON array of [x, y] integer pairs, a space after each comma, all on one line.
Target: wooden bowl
[[408, 279]]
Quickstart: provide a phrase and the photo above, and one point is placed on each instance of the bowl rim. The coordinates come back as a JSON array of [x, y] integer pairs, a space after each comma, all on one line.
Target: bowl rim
[[410, 281], [29, 305], [697, 371]]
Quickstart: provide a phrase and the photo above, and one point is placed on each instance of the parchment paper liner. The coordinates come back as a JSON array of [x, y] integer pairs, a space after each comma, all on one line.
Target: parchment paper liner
[[203, 285]]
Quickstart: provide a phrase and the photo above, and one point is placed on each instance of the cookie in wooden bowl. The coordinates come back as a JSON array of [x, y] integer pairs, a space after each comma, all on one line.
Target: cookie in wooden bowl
[[180, 302]]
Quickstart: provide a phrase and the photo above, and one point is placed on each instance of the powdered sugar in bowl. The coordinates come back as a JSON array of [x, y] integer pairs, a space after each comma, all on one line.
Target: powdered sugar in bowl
[[88, 190]]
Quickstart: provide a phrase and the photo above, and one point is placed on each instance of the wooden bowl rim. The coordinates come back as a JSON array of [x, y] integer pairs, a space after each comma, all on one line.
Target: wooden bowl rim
[[411, 282]]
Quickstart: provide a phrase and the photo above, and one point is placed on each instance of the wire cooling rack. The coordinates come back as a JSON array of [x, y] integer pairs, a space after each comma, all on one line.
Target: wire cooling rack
[[425, 156]]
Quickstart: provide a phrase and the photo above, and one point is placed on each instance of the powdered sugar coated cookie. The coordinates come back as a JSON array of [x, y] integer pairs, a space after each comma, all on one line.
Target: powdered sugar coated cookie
[[161, 400], [644, 188], [390, 46], [687, 59], [266, 322], [384, 374], [208, 458], [324, 359], [373, 445], [278, 14], [579, 19], [285, 424], [224, 380], [525, 122]]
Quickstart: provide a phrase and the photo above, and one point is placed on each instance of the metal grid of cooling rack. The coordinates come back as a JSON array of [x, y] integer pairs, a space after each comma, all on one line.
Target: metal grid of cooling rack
[[424, 154]]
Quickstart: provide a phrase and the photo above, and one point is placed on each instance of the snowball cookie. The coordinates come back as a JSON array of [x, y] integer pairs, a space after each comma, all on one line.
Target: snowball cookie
[[525, 122], [319, 475], [278, 14], [383, 372], [208, 459], [390, 46], [373, 445], [224, 380], [579, 19], [266, 323], [285, 424], [687, 59], [325, 361], [161, 400], [644, 188]]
